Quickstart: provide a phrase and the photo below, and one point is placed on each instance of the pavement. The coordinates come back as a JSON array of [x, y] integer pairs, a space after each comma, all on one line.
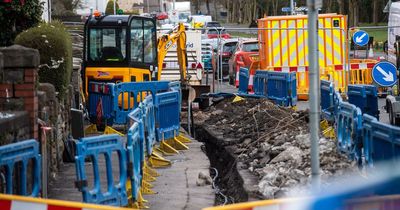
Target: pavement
[[176, 187]]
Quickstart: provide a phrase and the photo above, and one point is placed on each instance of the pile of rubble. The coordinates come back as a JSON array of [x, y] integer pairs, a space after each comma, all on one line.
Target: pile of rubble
[[273, 143]]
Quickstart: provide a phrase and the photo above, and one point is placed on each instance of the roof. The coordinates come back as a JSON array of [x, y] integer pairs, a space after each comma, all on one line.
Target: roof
[[114, 20]]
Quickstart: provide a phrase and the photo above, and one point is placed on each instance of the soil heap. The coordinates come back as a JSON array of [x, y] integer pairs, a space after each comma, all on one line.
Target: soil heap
[[273, 143]]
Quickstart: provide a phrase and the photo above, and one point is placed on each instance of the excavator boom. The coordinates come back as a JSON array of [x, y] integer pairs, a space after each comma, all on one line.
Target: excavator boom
[[165, 42]]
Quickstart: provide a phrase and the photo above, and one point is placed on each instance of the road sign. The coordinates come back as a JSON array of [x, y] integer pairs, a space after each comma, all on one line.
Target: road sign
[[286, 9], [384, 74], [361, 38]]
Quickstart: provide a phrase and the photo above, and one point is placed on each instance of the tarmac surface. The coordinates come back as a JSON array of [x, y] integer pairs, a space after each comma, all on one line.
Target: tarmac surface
[[176, 188]]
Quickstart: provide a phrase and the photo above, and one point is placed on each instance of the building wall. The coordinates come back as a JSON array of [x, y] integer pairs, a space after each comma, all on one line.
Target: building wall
[[130, 5]]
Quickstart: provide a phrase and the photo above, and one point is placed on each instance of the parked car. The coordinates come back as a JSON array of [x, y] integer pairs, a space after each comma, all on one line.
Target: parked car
[[225, 51], [245, 53], [212, 33], [212, 24]]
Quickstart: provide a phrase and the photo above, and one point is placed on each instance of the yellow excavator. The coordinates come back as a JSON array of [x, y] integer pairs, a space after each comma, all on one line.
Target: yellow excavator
[[125, 48]]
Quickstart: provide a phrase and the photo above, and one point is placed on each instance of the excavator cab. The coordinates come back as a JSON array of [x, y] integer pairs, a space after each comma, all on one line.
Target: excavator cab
[[119, 48]]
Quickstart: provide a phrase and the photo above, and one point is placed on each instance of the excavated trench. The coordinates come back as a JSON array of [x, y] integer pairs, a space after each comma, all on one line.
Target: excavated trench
[[261, 151], [232, 181]]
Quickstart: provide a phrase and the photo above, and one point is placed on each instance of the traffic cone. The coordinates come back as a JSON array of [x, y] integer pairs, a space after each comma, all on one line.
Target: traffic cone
[[371, 52]]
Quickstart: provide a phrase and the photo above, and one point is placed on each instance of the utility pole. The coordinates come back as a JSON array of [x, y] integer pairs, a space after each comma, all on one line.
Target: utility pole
[[115, 9], [292, 7], [148, 6], [314, 90], [173, 5], [161, 6]]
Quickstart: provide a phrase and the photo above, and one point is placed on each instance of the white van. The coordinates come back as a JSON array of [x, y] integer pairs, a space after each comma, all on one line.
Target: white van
[[394, 33]]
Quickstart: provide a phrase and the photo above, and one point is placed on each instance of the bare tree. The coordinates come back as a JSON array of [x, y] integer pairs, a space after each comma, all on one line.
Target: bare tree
[[375, 14], [208, 6], [341, 6]]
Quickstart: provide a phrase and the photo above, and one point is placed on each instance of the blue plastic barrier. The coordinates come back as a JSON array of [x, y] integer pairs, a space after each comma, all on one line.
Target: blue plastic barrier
[[382, 142], [136, 91], [101, 97], [364, 97], [243, 80], [260, 82], [371, 92], [21, 152], [348, 132], [281, 88], [337, 99], [327, 100], [135, 146], [177, 87], [93, 147], [367, 138], [167, 115], [149, 114]]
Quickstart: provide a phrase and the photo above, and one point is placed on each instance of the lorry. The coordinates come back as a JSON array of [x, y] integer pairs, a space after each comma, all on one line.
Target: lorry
[[393, 55]]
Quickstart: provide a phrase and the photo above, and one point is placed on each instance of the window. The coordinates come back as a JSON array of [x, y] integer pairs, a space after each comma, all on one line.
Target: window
[[107, 44], [149, 42], [143, 43], [137, 40], [230, 47], [250, 47]]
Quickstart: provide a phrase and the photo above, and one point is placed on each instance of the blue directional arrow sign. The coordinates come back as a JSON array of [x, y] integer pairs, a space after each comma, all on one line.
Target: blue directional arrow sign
[[384, 74], [361, 38]]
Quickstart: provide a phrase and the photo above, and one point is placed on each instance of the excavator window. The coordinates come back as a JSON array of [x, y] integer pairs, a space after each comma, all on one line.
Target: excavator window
[[143, 41], [107, 44]]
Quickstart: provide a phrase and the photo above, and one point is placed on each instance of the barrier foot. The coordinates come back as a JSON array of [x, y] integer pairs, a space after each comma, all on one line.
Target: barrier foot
[[237, 99], [329, 132], [91, 129], [146, 188], [157, 161], [148, 177], [166, 149], [150, 171], [110, 130], [182, 138], [176, 144], [324, 124]]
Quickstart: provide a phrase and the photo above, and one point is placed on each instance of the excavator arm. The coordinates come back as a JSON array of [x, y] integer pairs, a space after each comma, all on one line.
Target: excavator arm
[[165, 42]]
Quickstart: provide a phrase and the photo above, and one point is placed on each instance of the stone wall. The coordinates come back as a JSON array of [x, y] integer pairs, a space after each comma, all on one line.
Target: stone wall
[[18, 84]]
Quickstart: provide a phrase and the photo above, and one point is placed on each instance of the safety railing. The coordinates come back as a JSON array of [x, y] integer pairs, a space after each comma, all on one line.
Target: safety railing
[[243, 80], [93, 148], [359, 134], [365, 97], [167, 118], [151, 111], [101, 103], [15, 159], [260, 83], [327, 100], [277, 86]]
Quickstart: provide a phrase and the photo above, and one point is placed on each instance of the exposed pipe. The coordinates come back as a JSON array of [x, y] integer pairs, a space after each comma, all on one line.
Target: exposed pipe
[[314, 90]]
